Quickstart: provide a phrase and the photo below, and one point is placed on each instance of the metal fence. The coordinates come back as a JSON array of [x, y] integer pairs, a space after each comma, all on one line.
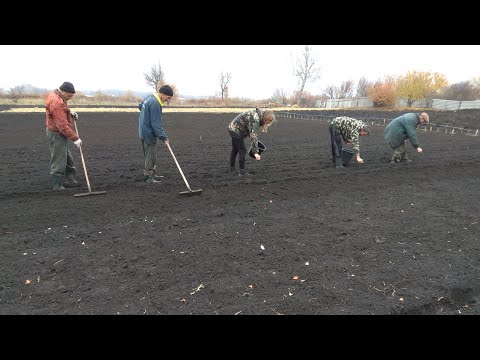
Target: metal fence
[[365, 102], [376, 121], [455, 105]]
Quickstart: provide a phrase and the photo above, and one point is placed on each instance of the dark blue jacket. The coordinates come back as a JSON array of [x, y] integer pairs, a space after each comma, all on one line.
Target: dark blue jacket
[[402, 128], [150, 122]]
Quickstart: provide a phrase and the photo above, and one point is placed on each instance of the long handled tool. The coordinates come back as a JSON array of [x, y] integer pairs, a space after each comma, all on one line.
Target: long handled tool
[[90, 192], [190, 192]]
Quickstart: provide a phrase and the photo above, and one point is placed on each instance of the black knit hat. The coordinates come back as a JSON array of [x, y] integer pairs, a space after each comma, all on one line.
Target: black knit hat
[[166, 89], [67, 87]]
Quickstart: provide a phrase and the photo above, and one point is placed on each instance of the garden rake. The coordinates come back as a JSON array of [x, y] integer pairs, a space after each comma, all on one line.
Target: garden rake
[[190, 192], [90, 192]]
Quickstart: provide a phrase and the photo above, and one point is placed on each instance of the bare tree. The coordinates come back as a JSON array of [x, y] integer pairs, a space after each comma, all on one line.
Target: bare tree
[[362, 87], [16, 93], [305, 70], [224, 81], [476, 86], [476, 82], [155, 77], [346, 89], [462, 91], [279, 96], [330, 92]]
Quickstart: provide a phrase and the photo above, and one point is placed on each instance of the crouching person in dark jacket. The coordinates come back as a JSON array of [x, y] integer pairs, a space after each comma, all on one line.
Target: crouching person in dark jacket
[[401, 129]]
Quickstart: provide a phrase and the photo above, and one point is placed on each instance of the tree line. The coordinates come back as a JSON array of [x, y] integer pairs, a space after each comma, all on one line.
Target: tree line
[[412, 86]]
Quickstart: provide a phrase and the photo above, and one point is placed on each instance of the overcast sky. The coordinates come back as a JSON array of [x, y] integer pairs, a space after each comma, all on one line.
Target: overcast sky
[[256, 70]]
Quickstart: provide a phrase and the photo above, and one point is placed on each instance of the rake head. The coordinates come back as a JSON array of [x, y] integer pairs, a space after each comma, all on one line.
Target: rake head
[[91, 193], [191, 193]]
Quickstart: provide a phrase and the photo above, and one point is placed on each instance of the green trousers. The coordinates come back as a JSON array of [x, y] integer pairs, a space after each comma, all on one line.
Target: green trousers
[[61, 160], [150, 157], [400, 153]]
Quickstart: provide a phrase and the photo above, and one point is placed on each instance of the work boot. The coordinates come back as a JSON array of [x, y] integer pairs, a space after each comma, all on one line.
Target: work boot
[[150, 180], [338, 162], [243, 172], [395, 160], [157, 178], [57, 183], [233, 171]]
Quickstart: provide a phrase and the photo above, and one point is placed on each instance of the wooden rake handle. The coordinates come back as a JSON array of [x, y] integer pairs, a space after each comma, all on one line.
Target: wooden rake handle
[[81, 155], [178, 165]]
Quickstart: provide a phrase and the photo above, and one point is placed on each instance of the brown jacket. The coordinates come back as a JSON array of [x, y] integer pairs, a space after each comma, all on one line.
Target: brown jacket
[[59, 118]]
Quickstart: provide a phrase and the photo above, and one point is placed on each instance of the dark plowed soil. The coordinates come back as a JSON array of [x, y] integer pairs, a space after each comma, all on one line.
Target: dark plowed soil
[[296, 237]]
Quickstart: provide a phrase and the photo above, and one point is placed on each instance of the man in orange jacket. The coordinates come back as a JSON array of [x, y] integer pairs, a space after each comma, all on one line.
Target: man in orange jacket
[[59, 131]]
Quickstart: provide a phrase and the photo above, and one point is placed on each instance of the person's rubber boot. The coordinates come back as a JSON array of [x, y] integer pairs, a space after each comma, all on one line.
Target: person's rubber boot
[[57, 183], [406, 159], [395, 160], [150, 180], [233, 171], [339, 162], [243, 172]]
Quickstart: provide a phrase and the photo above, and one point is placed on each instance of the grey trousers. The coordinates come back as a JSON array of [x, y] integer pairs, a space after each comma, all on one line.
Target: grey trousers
[[61, 160], [150, 157]]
